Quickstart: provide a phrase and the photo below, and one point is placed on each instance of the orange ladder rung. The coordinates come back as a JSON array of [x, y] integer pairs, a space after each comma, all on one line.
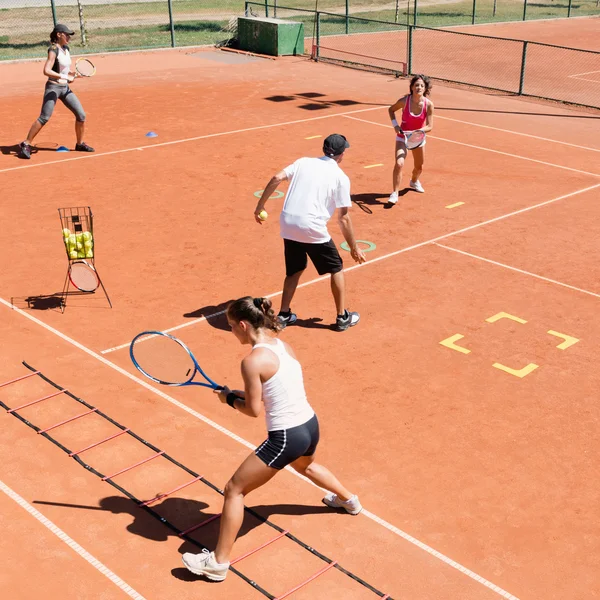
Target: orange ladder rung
[[112, 437], [205, 522], [134, 466], [36, 401], [87, 412], [18, 379], [259, 548], [323, 570], [161, 496]]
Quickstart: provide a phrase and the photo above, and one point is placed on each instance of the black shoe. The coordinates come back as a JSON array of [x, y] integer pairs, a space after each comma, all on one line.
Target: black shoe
[[83, 147], [286, 319], [24, 150], [349, 319]]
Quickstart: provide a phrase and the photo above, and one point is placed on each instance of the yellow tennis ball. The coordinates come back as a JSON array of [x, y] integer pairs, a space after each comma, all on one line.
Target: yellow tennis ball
[[262, 215], [73, 254], [87, 244], [66, 232], [87, 236], [89, 254]]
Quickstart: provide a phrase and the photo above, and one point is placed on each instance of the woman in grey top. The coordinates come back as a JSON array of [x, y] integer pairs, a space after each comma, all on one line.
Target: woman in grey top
[[58, 70]]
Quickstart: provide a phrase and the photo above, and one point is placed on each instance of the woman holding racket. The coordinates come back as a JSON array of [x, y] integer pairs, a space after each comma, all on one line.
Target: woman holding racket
[[417, 114], [272, 376], [57, 69]]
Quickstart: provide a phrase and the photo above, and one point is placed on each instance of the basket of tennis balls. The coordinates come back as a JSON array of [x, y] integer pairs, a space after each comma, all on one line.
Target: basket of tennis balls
[[78, 245]]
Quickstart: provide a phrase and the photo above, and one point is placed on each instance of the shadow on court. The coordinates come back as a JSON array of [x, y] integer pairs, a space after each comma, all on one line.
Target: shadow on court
[[318, 102], [213, 313], [41, 147], [184, 513]]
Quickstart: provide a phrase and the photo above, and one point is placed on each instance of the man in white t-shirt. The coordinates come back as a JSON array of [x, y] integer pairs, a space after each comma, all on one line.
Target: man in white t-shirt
[[318, 188]]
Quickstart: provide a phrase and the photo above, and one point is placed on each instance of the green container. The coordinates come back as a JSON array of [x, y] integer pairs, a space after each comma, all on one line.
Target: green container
[[275, 37]]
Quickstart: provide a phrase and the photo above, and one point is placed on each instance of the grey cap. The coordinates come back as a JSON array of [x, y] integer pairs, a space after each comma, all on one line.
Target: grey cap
[[60, 28], [335, 144]]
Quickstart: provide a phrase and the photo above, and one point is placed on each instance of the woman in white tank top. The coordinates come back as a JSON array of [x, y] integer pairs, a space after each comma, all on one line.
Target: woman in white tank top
[[272, 379]]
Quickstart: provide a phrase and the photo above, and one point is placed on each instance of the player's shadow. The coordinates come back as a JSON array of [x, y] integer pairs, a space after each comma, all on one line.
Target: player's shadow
[[311, 323], [365, 201], [213, 313], [183, 514], [14, 149]]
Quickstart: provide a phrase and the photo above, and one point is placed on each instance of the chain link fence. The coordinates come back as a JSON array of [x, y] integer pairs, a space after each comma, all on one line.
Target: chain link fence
[[103, 25]]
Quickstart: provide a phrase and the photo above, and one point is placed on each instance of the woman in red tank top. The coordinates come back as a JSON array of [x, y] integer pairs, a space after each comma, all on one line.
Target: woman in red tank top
[[417, 113]]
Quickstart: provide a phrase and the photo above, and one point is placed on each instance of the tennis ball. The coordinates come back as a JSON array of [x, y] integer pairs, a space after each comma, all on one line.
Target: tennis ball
[[81, 254], [262, 215], [87, 236], [79, 237], [66, 232], [79, 246], [89, 254], [73, 254], [87, 244]]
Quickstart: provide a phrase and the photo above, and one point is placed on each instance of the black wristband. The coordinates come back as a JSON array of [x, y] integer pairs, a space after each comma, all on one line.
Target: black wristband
[[231, 398]]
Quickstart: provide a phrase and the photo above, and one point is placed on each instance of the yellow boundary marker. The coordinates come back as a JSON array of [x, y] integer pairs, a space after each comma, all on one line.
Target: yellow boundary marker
[[312, 137], [454, 205], [372, 166], [569, 340], [520, 373], [449, 343], [503, 315]]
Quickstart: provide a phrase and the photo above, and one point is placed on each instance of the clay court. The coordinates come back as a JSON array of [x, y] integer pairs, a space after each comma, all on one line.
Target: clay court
[[463, 408]]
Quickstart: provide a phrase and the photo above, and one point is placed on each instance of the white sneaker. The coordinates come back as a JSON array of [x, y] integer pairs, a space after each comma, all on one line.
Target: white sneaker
[[205, 564], [352, 506], [393, 198], [416, 185]]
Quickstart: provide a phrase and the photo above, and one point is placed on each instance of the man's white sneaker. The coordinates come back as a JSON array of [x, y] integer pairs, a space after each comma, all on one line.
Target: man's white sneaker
[[205, 564], [352, 506], [393, 198], [416, 185]]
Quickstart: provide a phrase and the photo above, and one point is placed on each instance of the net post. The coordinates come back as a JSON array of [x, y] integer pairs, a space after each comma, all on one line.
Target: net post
[[474, 10], [524, 10], [523, 63], [171, 24]]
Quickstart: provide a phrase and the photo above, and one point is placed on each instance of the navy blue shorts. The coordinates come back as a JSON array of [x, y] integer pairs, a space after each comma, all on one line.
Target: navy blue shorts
[[284, 446]]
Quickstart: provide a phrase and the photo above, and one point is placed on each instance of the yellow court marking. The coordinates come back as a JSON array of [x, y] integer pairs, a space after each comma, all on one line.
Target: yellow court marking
[[503, 315], [312, 137], [371, 166], [449, 343], [455, 205], [569, 340], [520, 373]]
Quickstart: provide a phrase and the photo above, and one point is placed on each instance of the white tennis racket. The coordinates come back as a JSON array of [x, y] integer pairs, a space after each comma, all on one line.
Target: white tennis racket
[[414, 139], [83, 276], [84, 67]]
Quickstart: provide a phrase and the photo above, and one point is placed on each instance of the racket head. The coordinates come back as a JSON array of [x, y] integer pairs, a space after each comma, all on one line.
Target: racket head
[[83, 276], [85, 67], [415, 139], [163, 358]]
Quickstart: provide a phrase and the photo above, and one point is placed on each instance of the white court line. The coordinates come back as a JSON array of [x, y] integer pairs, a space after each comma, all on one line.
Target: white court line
[[70, 542], [378, 258], [230, 434], [535, 137], [541, 162], [499, 264], [89, 156]]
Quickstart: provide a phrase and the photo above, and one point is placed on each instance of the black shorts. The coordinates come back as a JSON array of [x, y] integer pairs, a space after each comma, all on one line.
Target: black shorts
[[325, 257], [284, 446]]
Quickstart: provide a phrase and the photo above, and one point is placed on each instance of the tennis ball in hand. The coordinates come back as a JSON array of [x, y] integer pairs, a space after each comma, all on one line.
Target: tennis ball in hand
[[262, 215]]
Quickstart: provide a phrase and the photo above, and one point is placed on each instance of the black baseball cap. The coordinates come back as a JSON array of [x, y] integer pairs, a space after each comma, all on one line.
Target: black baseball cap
[[335, 144], [60, 28]]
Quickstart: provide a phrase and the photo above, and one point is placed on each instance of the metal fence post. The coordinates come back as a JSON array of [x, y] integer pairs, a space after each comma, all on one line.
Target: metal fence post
[[347, 19], [523, 62], [266, 8], [318, 36], [569, 9], [474, 10], [53, 12], [415, 14], [524, 10], [171, 24], [410, 50]]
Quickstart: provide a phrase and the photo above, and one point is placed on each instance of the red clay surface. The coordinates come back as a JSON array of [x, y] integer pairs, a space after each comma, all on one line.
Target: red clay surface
[[495, 472]]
